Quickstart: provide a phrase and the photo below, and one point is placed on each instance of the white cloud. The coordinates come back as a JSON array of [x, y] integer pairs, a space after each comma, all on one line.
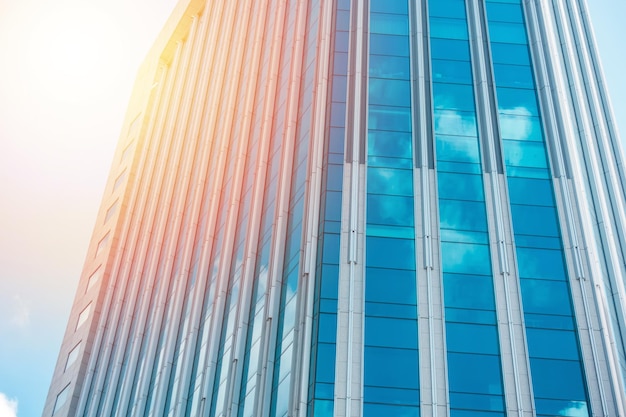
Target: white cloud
[[8, 407], [574, 409]]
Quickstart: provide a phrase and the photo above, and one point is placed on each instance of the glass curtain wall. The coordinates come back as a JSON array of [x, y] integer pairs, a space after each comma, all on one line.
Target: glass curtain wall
[[324, 337], [285, 344], [558, 382], [391, 371], [473, 348]]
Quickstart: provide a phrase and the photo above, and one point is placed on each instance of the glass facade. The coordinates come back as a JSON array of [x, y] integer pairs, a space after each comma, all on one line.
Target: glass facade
[[342, 208], [390, 358], [473, 350], [559, 385]]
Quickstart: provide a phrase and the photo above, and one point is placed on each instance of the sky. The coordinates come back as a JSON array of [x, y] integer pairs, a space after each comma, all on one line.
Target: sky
[[66, 73]]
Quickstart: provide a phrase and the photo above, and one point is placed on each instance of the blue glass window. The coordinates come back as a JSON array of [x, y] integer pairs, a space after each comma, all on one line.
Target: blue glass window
[[506, 53], [545, 297], [517, 101], [530, 191], [501, 12], [552, 344], [472, 338], [447, 71], [391, 332], [453, 96], [384, 91], [515, 76], [469, 291], [460, 149], [390, 181], [450, 49], [394, 368], [474, 373], [507, 32], [385, 6], [448, 28], [570, 386], [390, 24], [466, 258], [390, 253], [389, 45], [390, 209], [393, 67], [390, 118], [454, 122], [450, 8], [390, 286], [453, 186], [540, 263], [462, 215]]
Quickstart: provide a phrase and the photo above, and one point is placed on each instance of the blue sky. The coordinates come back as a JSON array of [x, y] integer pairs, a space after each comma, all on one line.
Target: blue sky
[[59, 124]]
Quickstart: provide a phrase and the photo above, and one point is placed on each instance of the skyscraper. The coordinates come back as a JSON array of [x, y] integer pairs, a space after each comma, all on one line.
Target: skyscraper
[[367, 208]]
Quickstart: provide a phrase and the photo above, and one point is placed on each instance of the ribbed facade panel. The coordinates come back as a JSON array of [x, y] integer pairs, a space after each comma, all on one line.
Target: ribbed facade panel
[[358, 209]]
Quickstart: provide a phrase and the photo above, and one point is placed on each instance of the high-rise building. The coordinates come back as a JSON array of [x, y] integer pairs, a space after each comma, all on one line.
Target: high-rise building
[[377, 208]]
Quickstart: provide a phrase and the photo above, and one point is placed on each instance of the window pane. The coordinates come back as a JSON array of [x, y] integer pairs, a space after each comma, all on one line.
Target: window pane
[[465, 258], [389, 92], [453, 96], [391, 332], [476, 402], [454, 122], [391, 210], [396, 67], [379, 410], [561, 408], [390, 118], [552, 344], [390, 181], [325, 363], [386, 6], [557, 379], [524, 154], [507, 32], [507, 53], [462, 215], [468, 291], [389, 144], [390, 24], [530, 191], [446, 71], [390, 253], [449, 49], [458, 149], [448, 28], [390, 286], [61, 399], [389, 45], [449, 8], [505, 12], [391, 367], [515, 76], [518, 127], [545, 297], [517, 101], [535, 220], [474, 373], [540, 263], [455, 186], [472, 338], [392, 396]]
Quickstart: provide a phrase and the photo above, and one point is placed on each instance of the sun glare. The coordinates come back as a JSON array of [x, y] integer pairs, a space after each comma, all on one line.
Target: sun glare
[[72, 51]]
